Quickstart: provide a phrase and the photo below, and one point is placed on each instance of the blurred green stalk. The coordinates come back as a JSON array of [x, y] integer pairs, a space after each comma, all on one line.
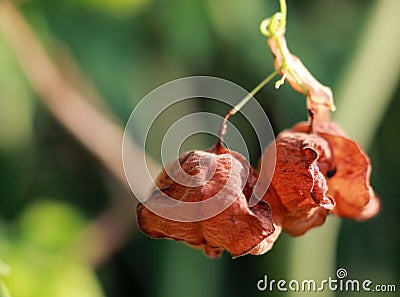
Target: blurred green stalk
[[365, 91], [4, 270], [3, 290]]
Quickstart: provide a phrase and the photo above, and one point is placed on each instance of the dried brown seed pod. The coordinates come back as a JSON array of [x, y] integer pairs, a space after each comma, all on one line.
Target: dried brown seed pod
[[318, 170], [297, 193], [239, 229], [349, 179]]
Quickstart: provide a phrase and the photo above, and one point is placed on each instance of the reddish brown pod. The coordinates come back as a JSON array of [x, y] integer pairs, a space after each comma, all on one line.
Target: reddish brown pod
[[238, 229], [319, 170], [349, 178]]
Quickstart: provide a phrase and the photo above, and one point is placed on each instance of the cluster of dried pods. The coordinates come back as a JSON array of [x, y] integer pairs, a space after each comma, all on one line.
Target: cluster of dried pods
[[318, 171]]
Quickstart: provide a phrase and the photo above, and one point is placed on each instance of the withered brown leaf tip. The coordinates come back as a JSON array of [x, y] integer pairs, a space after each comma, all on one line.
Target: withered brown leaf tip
[[239, 229], [318, 170]]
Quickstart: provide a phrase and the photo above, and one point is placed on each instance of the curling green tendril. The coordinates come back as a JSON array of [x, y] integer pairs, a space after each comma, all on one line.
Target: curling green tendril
[[274, 27]]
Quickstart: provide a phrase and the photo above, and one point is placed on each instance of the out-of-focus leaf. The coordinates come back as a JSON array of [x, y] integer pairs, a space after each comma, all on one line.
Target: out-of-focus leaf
[[35, 275], [50, 225], [40, 258]]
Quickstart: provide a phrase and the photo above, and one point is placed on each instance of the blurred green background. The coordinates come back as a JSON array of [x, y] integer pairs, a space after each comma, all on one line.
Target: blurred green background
[[52, 188]]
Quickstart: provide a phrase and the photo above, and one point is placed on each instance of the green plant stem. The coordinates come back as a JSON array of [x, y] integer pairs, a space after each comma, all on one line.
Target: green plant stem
[[283, 6], [366, 90], [254, 91], [242, 102]]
